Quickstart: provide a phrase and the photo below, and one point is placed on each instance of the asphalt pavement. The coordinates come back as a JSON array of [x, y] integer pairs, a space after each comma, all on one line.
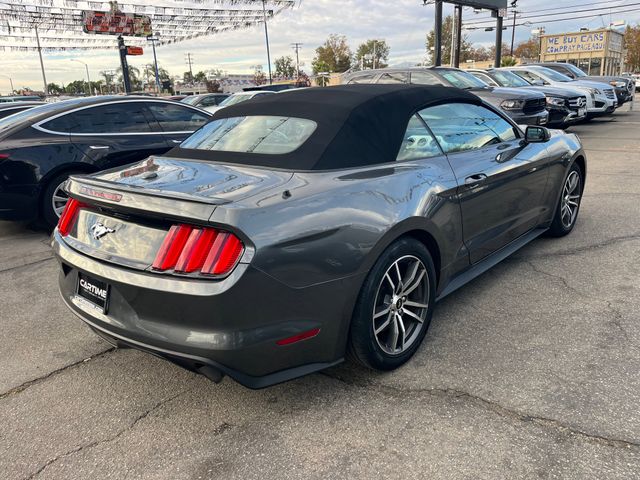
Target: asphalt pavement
[[530, 371]]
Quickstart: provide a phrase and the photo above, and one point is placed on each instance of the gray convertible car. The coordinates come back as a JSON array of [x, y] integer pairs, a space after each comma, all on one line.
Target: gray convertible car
[[294, 230]]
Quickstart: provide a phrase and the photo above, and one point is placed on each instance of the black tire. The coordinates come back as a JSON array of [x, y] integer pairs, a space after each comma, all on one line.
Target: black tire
[[364, 346], [560, 226], [48, 214]]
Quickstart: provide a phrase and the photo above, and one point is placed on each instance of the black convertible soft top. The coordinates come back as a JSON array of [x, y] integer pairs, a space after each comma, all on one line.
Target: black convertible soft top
[[357, 125]]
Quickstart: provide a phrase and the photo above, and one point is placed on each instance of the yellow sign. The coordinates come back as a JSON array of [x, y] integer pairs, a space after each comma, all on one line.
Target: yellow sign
[[576, 43]]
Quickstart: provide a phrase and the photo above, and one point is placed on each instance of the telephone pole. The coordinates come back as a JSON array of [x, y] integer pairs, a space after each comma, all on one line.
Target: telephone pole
[[296, 46], [513, 30], [190, 62]]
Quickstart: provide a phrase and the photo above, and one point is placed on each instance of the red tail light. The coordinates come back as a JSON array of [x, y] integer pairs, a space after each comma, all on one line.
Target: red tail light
[[69, 215], [4, 156], [187, 249]]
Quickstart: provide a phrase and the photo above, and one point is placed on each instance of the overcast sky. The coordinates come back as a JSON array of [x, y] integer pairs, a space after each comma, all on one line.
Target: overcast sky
[[402, 23]]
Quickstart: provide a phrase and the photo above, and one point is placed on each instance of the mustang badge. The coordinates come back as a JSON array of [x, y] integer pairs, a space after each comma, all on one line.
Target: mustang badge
[[98, 230]]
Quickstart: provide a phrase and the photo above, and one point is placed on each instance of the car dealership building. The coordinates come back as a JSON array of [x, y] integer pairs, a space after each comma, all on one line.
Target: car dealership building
[[597, 52]]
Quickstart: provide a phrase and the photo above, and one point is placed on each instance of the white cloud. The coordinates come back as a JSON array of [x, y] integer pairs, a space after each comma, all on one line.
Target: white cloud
[[402, 23]]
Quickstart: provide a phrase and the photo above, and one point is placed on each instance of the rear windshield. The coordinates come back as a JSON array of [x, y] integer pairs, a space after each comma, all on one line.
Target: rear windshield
[[508, 79], [252, 134]]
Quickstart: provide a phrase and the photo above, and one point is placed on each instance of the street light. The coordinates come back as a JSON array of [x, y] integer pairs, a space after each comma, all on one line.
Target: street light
[[10, 81], [87, 68]]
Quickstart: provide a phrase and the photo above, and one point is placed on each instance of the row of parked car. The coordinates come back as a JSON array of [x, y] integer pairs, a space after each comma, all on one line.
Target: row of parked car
[[42, 144], [553, 94]]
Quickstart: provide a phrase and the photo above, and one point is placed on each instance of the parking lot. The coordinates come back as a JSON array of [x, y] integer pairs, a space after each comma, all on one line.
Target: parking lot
[[530, 371]]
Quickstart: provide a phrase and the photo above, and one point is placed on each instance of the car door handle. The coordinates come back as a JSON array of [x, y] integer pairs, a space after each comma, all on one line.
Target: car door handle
[[478, 177], [176, 141], [98, 147]]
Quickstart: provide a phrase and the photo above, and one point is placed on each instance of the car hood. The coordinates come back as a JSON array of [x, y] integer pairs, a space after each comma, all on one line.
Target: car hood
[[605, 78], [554, 91], [588, 84], [192, 179], [505, 93]]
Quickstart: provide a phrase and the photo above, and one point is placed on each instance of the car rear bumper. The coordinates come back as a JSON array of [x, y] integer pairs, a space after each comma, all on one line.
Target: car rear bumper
[[229, 326]]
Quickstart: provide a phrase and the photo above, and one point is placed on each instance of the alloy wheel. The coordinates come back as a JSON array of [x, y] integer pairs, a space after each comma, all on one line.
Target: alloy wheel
[[401, 305], [570, 199], [59, 199]]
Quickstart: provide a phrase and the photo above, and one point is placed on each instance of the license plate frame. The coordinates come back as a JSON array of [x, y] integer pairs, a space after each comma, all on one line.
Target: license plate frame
[[94, 291], [582, 112]]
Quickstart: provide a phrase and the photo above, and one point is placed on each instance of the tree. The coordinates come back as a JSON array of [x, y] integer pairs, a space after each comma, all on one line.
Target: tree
[[373, 53], [465, 46], [632, 45], [259, 77], [213, 86], [54, 89], [134, 77], [187, 77], [200, 77], [332, 56], [528, 49], [480, 54], [508, 61], [285, 67]]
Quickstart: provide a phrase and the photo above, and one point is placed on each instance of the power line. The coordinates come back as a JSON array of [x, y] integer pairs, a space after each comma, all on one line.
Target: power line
[[535, 22], [568, 7]]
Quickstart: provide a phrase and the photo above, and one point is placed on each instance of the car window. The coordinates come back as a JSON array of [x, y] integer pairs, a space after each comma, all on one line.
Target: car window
[[233, 99], [529, 76], [176, 118], [208, 101], [191, 99], [398, 77], [485, 78], [425, 78], [417, 142], [461, 126], [462, 80], [252, 134], [509, 79], [120, 117], [552, 74], [368, 78], [12, 111]]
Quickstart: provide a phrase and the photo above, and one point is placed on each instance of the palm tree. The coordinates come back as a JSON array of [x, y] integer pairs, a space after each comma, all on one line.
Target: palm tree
[[134, 77]]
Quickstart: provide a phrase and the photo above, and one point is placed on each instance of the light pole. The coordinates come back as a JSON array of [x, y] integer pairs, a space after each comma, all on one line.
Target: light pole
[[266, 36], [10, 81], [87, 68], [153, 41]]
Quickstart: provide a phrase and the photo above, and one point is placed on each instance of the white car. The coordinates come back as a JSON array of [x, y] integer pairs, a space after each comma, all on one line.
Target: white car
[[238, 97], [601, 97]]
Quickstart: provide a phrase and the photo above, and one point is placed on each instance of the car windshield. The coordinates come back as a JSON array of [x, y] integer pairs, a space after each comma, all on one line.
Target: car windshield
[[252, 134], [233, 99], [508, 79], [462, 79], [575, 70], [191, 99], [552, 74]]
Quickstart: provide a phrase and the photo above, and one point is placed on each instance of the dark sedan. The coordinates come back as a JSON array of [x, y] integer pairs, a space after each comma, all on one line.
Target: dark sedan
[[565, 106], [10, 108], [42, 146], [525, 108], [294, 229]]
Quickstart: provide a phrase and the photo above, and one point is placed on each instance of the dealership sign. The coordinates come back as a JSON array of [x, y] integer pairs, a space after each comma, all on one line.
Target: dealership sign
[[576, 43], [116, 23]]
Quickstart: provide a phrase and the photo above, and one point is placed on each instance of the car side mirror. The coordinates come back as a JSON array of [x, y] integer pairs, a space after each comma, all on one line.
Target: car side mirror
[[535, 134]]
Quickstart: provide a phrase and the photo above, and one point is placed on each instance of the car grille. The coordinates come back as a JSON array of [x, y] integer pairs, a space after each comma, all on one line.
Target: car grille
[[534, 106], [610, 93], [576, 103]]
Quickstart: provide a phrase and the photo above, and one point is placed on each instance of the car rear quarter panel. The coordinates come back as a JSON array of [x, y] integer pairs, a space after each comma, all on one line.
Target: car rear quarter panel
[[324, 226]]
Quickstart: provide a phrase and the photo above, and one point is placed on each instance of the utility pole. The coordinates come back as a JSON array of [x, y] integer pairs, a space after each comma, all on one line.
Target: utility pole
[[513, 30], [458, 19], [153, 41], [296, 46], [189, 62], [374, 54], [124, 65], [437, 53], [10, 81], [266, 36], [44, 77]]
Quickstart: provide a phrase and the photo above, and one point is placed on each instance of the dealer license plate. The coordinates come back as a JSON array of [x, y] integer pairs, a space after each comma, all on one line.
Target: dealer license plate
[[94, 291]]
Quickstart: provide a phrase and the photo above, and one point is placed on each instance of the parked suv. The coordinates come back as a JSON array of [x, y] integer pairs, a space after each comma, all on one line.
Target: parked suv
[[42, 146], [565, 105], [524, 107], [624, 86], [601, 99]]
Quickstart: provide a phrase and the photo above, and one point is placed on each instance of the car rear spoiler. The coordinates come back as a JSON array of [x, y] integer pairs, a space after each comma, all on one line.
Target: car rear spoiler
[[127, 198]]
